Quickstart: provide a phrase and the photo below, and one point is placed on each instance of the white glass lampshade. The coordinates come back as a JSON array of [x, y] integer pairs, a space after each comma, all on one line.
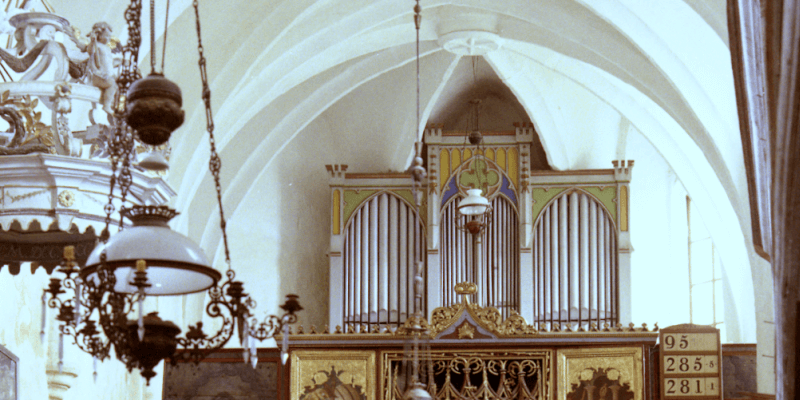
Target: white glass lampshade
[[417, 392], [474, 203], [175, 264]]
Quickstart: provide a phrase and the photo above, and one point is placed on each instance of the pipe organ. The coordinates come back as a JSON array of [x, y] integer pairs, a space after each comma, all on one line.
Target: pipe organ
[[575, 259], [498, 268], [382, 241], [557, 249]]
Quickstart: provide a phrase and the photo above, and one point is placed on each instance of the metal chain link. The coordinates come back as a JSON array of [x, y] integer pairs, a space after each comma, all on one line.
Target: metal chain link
[[120, 146], [215, 163], [152, 36]]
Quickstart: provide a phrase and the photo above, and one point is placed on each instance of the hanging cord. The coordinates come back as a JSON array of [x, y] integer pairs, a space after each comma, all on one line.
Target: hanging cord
[[152, 36], [164, 48], [418, 174], [215, 163], [417, 170], [417, 22]]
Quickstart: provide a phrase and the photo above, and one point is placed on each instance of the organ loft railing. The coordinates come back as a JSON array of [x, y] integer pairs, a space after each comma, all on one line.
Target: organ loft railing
[[557, 251], [471, 352]]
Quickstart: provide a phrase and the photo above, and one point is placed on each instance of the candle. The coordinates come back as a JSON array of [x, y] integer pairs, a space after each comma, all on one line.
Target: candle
[[60, 351], [253, 353], [44, 315], [285, 343], [78, 304], [245, 342], [141, 318]]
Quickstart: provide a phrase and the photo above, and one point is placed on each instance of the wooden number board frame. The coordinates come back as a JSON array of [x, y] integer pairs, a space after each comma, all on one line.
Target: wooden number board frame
[[691, 358]]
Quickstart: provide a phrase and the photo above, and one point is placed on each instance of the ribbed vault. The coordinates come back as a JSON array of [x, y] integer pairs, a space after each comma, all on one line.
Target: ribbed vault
[[298, 84]]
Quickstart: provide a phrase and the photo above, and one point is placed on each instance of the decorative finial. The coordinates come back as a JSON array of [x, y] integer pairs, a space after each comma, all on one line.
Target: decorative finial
[[417, 15], [465, 289]]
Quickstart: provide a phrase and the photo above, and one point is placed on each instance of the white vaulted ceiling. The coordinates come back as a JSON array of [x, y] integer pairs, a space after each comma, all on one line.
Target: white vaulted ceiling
[[298, 84]]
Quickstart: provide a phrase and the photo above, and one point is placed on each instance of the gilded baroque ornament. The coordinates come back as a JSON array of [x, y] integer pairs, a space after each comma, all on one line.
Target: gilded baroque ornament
[[474, 375], [600, 373], [466, 331], [66, 198], [330, 374], [488, 318]]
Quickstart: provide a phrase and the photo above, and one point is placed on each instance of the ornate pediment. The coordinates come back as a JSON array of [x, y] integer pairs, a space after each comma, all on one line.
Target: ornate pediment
[[482, 322]]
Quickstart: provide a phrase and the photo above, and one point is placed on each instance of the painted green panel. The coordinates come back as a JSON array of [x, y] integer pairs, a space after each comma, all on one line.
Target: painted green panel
[[541, 197], [409, 197], [353, 199], [406, 194], [608, 196]]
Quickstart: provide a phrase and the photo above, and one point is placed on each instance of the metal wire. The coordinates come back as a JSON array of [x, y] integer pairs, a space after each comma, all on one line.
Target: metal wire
[[417, 22], [164, 48]]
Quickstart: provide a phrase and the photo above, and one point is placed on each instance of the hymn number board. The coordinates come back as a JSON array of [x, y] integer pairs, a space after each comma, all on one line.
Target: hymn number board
[[690, 362]]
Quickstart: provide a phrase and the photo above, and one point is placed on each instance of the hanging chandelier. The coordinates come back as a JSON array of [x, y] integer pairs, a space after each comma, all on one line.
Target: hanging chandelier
[[475, 207], [416, 325], [94, 302]]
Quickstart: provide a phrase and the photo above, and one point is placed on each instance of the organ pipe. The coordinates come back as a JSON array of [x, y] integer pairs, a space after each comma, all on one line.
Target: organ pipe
[[498, 270], [575, 263], [381, 241]]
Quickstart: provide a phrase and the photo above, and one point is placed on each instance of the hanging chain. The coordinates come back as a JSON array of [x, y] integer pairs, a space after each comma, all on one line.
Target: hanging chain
[[120, 144], [152, 36], [215, 163]]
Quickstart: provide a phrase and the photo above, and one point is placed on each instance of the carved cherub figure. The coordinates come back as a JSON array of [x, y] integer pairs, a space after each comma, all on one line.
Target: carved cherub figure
[[100, 68]]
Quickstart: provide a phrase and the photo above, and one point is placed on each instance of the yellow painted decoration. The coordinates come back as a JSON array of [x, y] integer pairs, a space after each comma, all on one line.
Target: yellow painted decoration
[[513, 166], [490, 154], [623, 207], [606, 196], [467, 154], [541, 197], [501, 159], [336, 212], [353, 199], [444, 167], [455, 160]]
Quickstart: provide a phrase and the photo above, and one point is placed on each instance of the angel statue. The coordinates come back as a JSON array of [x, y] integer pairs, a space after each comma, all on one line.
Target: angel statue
[[100, 70]]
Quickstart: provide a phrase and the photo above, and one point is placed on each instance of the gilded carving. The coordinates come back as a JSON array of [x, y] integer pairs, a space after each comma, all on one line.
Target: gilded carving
[[332, 374], [26, 124], [466, 331], [473, 375], [580, 369], [329, 385], [516, 325], [66, 198], [491, 319], [465, 288], [488, 317]]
